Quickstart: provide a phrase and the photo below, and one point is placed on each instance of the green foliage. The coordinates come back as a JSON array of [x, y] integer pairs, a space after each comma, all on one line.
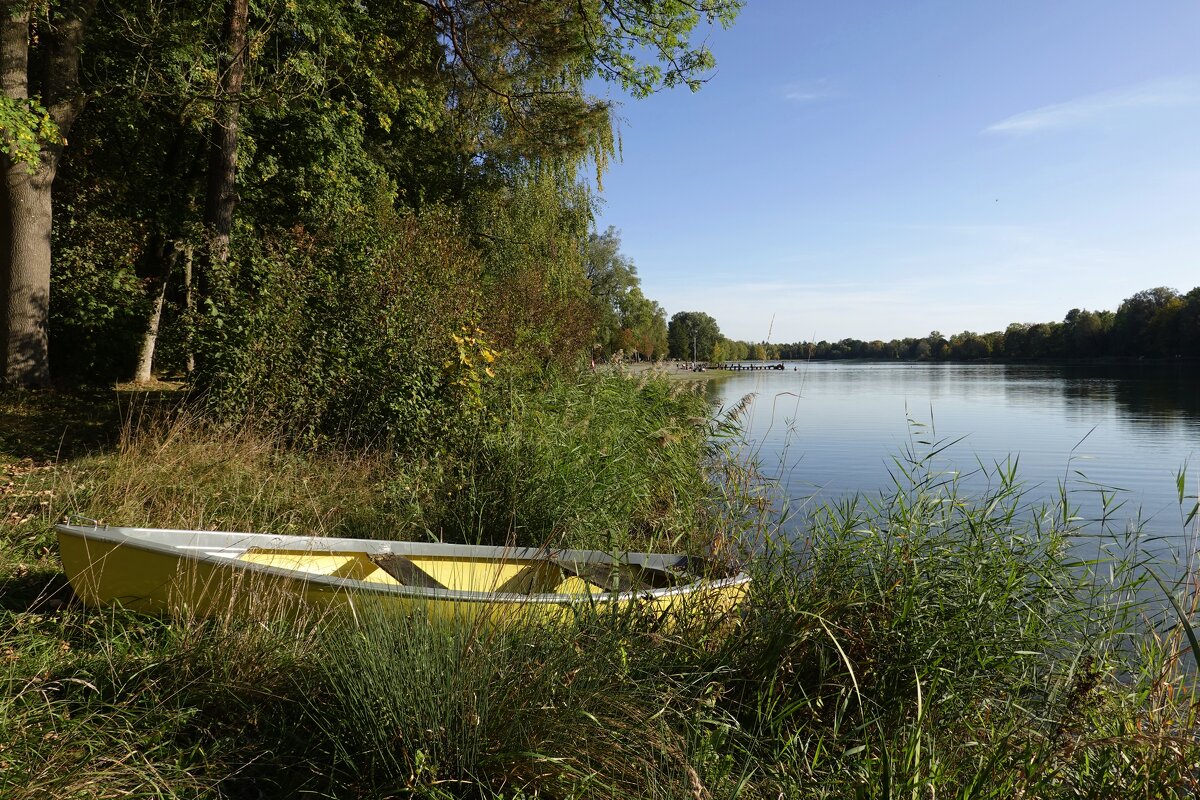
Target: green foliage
[[535, 297], [731, 350], [627, 321], [1145, 324], [1155, 323], [631, 30], [691, 335], [594, 461], [99, 310], [1085, 332], [25, 127], [348, 334], [612, 275], [643, 326], [1189, 324], [519, 70], [463, 108]]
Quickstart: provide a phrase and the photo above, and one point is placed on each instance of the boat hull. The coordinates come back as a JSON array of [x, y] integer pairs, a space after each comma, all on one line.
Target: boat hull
[[219, 573]]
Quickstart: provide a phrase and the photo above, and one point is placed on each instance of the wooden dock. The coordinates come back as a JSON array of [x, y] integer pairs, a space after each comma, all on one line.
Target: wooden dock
[[742, 367]]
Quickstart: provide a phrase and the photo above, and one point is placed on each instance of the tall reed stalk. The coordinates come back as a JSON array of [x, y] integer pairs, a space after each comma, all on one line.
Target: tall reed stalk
[[930, 641]]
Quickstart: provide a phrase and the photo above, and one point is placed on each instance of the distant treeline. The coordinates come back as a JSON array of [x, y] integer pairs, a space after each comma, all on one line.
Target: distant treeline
[[1155, 323]]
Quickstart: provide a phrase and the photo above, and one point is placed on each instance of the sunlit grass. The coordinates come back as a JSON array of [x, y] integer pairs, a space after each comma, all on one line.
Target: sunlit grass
[[927, 642]]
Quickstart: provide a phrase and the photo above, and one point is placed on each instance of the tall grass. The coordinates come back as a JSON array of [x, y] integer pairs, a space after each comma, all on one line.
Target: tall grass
[[180, 471], [928, 642], [597, 461], [565, 709]]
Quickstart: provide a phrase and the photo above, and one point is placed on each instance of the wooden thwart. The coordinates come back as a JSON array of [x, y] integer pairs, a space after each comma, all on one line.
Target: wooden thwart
[[406, 571]]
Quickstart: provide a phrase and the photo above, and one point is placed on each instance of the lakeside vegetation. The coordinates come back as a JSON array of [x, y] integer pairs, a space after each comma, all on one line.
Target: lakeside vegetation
[[924, 642], [188, 184]]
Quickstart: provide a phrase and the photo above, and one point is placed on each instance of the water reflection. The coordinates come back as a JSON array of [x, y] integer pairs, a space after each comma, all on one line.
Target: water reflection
[[1114, 438], [832, 429], [1151, 395]]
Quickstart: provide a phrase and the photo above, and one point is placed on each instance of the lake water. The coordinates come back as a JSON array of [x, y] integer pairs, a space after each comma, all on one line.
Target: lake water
[[828, 430]]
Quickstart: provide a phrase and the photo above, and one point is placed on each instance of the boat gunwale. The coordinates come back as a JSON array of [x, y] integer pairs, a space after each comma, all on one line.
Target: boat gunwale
[[116, 535]]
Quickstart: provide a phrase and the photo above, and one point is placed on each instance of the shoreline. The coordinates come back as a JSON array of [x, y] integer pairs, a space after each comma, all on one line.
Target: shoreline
[[671, 370]]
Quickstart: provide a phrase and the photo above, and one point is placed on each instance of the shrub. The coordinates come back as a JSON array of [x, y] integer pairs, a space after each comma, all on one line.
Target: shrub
[[349, 334], [589, 461]]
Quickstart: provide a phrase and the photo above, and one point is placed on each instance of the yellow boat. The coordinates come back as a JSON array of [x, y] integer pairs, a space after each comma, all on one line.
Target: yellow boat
[[211, 572]]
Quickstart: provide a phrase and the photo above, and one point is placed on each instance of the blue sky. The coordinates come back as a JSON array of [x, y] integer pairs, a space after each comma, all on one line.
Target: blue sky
[[884, 169]]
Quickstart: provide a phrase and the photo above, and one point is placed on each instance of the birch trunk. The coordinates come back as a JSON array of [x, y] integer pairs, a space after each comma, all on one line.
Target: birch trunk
[[165, 256]]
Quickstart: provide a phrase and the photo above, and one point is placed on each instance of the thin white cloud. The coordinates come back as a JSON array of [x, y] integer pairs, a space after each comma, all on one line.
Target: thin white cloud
[[804, 97], [1093, 108], [950, 288], [808, 91]]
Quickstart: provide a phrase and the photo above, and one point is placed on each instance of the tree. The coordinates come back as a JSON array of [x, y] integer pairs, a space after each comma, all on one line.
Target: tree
[[612, 276], [691, 335], [625, 318], [1140, 327], [536, 291], [969, 346], [39, 84], [647, 321], [534, 55], [515, 101], [198, 106], [309, 113], [939, 348], [1189, 324], [221, 195], [1085, 333]]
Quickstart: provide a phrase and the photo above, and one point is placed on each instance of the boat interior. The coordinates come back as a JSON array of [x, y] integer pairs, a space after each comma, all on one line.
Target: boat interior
[[527, 577]]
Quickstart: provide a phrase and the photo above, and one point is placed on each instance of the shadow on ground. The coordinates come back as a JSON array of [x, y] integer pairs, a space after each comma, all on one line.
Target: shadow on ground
[[49, 426], [38, 590]]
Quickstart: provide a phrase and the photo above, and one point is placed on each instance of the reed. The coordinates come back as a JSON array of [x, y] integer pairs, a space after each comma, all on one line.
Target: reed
[[598, 461], [925, 642], [928, 642]]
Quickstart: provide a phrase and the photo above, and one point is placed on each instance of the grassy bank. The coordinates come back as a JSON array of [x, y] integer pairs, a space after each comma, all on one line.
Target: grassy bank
[[924, 644]]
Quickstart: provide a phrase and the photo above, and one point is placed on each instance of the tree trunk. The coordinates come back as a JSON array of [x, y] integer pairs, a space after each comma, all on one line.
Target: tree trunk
[[165, 254], [189, 306], [53, 74], [25, 281], [24, 292], [221, 196]]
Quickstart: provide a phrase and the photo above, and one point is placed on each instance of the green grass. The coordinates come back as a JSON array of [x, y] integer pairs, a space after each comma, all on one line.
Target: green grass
[[597, 462], [923, 644]]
